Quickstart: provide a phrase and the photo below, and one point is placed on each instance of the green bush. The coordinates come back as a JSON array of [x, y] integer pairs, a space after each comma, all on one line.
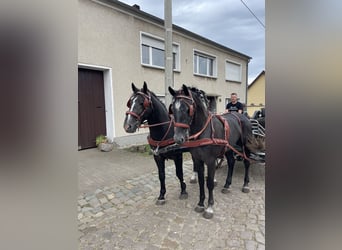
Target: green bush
[[101, 139]]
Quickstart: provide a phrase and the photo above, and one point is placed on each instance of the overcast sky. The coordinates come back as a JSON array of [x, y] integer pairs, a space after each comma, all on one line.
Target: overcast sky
[[227, 22]]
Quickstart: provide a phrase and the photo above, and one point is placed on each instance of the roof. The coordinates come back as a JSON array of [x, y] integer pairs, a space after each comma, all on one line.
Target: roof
[[256, 79], [134, 10]]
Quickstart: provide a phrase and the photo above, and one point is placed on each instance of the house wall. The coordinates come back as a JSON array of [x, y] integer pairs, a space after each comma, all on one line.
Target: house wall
[[109, 37], [256, 95]]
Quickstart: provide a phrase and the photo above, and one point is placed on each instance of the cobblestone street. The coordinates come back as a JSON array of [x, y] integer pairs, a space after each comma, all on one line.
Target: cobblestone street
[[122, 214]]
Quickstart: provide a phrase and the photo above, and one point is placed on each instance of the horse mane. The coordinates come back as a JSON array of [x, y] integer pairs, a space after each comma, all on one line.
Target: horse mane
[[156, 97], [200, 98]]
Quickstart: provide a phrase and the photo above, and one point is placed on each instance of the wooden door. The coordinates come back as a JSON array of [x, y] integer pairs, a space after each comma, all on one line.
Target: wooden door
[[91, 107]]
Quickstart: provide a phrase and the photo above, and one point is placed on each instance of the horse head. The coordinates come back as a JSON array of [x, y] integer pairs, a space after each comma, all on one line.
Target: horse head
[[182, 107], [139, 105]]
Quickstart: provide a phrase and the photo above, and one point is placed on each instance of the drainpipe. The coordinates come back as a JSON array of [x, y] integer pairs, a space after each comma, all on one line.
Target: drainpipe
[[246, 100]]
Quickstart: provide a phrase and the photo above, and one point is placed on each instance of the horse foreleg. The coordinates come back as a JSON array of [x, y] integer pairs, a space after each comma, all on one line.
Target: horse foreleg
[[209, 212], [231, 163], [245, 187], [193, 178], [161, 173], [200, 170], [179, 172]]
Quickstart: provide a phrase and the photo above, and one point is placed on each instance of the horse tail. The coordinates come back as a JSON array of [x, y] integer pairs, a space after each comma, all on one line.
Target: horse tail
[[254, 144]]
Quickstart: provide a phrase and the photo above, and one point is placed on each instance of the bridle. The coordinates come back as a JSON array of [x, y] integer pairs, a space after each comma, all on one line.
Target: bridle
[[147, 103], [189, 101]]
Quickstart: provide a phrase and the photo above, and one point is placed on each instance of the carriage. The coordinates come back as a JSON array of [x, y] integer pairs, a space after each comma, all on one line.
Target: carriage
[[259, 131]]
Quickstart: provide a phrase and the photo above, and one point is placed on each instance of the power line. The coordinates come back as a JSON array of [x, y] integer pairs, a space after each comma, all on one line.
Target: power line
[[253, 13]]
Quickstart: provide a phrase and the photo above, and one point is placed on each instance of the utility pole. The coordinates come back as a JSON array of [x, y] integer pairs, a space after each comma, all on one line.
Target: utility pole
[[168, 51]]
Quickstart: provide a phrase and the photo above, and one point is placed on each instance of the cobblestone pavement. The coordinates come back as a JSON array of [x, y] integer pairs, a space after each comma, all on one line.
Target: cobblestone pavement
[[124, 215]]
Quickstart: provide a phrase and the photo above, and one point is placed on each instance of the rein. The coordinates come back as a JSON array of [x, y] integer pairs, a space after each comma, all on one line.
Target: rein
[[153, 125]]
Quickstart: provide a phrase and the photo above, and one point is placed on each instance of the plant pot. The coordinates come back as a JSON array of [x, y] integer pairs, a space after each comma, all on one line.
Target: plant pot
[[105, 147]]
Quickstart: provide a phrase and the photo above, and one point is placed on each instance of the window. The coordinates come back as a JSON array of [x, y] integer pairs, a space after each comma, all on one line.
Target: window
[[161, 98], [153, 50], [204, 64], [233, 71]]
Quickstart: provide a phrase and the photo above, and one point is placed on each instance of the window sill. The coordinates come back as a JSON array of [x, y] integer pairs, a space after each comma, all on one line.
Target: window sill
[[231, 81], [157, 67], [206, 76]]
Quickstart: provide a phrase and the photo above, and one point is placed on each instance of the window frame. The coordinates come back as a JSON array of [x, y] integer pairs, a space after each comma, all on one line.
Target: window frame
[[227, 62], [158, 43], [197, 54]]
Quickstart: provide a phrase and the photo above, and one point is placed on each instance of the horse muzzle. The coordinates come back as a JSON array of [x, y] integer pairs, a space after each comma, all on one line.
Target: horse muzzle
[[131, 127], [181, 135]]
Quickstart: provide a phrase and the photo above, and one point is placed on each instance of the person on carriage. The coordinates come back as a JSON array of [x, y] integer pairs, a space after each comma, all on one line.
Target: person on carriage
[[234, 105]]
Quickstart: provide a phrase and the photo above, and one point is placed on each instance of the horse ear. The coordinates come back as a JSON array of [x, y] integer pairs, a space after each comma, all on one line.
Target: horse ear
[[170, 109], [135, 89], [185, 89], [145, 89], [172, 92]]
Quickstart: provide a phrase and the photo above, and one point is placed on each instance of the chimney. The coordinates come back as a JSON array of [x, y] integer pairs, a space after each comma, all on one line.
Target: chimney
[[136, 6]]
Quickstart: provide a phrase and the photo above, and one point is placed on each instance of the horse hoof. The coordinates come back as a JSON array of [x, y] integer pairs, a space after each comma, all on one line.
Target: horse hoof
[[225, 190], [183, 196], [245, 189], [208, 213], [193, 180], [199, 209], [160, 202]]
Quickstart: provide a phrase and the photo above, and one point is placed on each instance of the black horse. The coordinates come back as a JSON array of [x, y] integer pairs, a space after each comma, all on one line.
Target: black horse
[[145, 105], [208, 137]]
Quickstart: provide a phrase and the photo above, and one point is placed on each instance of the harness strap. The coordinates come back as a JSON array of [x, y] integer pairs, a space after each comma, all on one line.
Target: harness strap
[[195, 136], [204, 142], [226, 129], [134, 114], [161, 143], [181, 125]]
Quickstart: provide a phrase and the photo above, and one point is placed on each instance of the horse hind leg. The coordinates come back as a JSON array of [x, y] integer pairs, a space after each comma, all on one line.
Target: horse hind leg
[[200, 170], [245, 187], [179, 172]]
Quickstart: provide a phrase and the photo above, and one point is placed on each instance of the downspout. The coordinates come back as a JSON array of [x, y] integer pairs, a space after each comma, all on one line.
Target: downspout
[[246, 100]]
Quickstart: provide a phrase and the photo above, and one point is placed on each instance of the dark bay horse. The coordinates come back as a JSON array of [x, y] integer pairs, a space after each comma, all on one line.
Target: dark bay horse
[[145, 105], [208, 137]]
